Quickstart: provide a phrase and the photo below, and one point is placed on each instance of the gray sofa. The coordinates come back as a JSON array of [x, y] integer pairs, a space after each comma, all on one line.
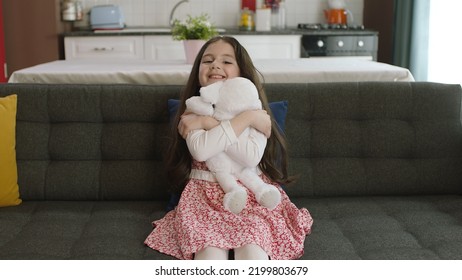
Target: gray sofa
[[380, 168]]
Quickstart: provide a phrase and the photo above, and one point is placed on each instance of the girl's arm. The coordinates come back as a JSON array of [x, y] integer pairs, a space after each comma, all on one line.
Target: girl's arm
[[204, 144], [249, 149], [189, 122], [205, 140], [258, 119]]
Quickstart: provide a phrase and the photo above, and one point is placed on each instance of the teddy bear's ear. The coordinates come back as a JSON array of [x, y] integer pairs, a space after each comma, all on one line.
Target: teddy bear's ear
[[211, 92]]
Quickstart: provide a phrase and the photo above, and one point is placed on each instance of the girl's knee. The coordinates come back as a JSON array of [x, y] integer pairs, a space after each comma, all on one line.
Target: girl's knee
[[250, 252], [211, 253]]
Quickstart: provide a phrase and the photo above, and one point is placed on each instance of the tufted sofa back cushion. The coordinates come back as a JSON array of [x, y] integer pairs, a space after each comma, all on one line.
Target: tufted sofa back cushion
[[105, 142], [373, 138], [91, 142]]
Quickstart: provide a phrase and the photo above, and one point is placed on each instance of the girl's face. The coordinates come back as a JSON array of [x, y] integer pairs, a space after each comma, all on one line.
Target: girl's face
[[218, 64]]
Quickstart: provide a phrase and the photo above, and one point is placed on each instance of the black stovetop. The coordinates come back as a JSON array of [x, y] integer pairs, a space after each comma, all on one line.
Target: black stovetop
[[325, 26]]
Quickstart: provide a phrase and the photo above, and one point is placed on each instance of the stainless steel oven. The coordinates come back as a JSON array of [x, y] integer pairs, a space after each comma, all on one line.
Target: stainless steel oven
[[321, 40]]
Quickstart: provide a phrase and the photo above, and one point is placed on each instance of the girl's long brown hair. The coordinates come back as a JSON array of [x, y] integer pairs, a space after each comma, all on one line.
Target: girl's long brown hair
[[178, 159]]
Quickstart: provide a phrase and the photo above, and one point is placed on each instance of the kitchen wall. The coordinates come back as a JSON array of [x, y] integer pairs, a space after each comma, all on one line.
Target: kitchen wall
[[224, 13], [32, 32], [379, 15]]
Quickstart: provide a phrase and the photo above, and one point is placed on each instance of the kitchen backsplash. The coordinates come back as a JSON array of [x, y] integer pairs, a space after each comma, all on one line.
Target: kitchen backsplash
[[224, 13]]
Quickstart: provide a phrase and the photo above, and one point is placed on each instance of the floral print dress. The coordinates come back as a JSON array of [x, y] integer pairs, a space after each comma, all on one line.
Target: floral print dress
[[200, 220]]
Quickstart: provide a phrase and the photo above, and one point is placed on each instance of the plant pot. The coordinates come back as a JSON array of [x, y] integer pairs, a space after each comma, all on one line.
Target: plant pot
[[192, 48]]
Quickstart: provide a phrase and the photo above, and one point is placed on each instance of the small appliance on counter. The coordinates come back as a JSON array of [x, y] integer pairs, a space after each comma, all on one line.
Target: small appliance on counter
[[71, 10], [338, 13], [106, 17]]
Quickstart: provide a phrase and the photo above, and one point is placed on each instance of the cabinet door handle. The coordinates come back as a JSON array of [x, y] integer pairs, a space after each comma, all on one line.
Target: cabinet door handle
[[360, 43], [103, 49]]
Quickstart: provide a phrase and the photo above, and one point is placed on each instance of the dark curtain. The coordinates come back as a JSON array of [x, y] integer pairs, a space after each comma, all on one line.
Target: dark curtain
[[410, 47]]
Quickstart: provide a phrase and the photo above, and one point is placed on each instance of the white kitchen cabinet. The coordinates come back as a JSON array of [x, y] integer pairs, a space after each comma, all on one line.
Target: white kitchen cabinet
[[271, 46], [163, 47], [104, 47]]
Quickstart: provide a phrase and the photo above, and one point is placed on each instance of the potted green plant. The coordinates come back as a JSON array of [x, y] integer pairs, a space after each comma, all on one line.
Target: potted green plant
[[194, 32]]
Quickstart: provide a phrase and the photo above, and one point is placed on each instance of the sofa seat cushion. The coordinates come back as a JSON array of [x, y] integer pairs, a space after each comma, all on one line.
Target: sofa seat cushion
[[78, 230], [404, 227]]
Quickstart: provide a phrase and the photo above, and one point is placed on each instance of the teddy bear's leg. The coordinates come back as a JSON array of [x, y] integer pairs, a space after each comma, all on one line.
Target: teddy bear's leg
[[265, 194], [235, 196]]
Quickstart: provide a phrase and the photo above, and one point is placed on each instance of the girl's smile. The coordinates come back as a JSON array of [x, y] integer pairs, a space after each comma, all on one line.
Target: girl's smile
[[218, 63]]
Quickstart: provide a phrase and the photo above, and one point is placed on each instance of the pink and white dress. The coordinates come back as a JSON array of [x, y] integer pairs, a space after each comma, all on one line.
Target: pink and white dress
[[200, 220]]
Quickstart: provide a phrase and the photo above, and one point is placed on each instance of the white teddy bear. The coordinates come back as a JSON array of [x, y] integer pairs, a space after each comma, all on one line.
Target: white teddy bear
[[224, 100]]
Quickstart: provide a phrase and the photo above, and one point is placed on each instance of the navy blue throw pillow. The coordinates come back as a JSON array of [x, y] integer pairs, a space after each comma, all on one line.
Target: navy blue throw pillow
[[173, 105]]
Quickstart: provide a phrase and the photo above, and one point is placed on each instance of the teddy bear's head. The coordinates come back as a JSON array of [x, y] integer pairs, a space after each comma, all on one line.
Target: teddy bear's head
[[197, 105], [231, 97]]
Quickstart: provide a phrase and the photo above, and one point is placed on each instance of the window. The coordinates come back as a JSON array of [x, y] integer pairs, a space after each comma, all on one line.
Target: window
[[445, 41]]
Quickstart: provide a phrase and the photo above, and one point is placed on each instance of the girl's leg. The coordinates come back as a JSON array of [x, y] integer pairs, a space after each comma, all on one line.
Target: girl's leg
[[211, 253], [250, 252]]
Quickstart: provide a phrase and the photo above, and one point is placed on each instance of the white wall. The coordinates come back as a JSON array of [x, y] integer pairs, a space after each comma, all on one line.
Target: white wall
[[224, 13]]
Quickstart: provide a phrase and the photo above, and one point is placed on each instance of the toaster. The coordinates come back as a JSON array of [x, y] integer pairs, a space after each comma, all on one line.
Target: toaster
[[106, 17]]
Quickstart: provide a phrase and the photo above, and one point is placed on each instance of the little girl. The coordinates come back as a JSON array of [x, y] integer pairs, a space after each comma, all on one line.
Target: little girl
[[199, 227]]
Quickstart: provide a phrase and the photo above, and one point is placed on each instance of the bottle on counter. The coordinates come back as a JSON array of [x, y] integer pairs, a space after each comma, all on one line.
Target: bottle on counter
[[282, 15], [68, 12], [247, 21], [278, 13], [274, 5], [71, 10]]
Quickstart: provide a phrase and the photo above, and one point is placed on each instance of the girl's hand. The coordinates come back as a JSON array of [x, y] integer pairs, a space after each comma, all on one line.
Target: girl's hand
[[189, 122], [258, 119]]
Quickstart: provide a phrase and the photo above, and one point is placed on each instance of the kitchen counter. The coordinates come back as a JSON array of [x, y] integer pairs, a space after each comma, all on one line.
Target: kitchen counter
[[143, 30], [304, 70]]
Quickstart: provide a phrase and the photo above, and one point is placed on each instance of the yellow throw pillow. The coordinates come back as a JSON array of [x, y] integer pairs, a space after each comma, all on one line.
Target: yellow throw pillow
[[9, 189]]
